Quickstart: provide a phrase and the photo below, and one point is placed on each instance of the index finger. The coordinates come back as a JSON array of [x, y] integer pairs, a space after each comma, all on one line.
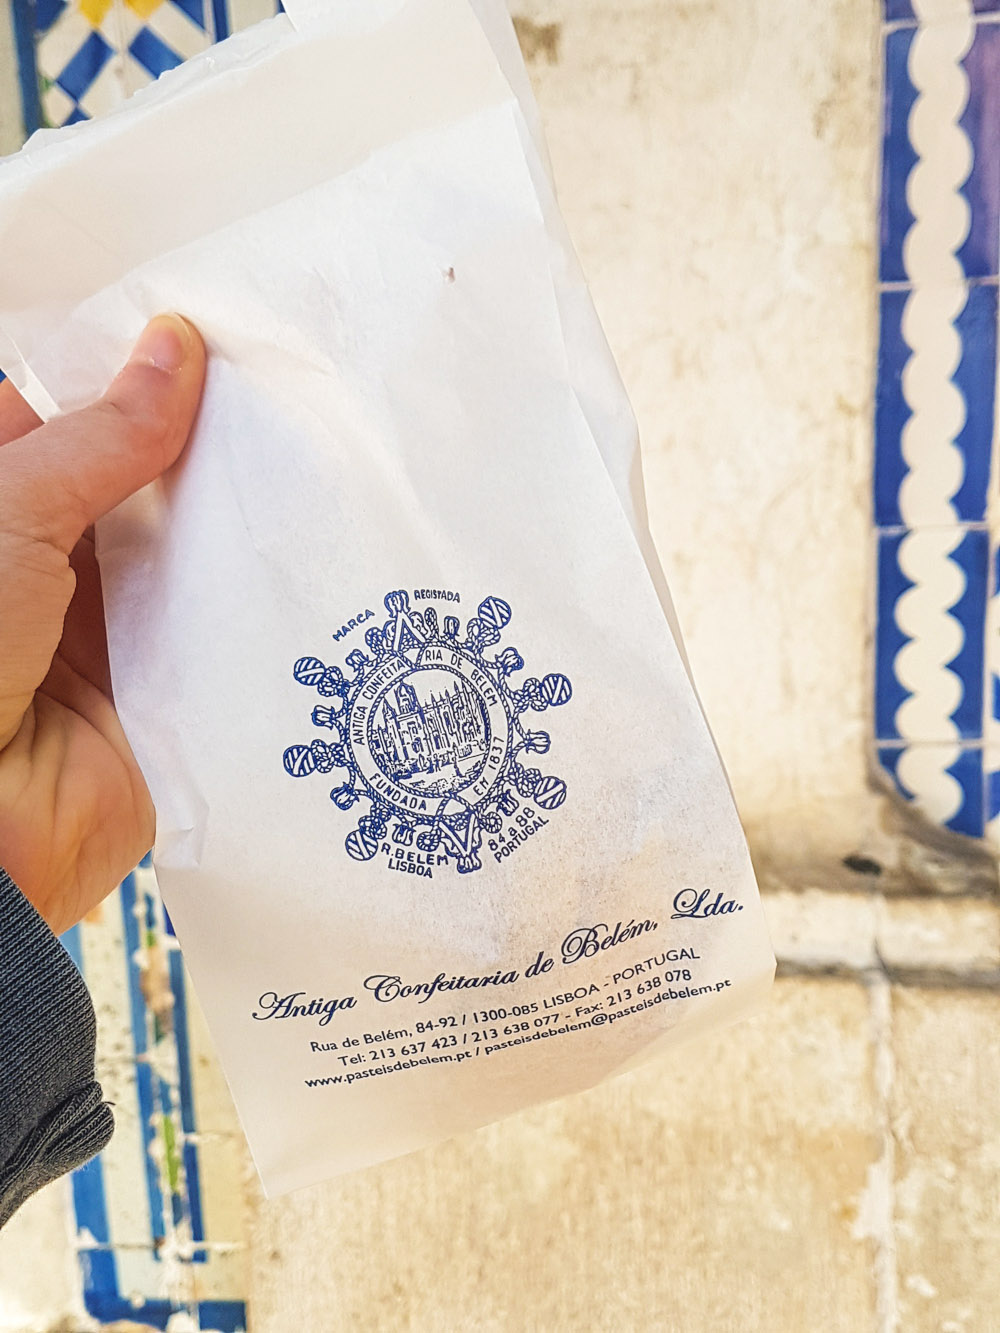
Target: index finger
[[16, 417]]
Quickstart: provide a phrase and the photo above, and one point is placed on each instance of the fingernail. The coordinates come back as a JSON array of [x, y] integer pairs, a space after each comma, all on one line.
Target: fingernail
[[163, 343]]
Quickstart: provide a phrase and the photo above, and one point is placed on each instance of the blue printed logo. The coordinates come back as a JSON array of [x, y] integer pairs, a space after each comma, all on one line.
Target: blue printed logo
[[427, 729]]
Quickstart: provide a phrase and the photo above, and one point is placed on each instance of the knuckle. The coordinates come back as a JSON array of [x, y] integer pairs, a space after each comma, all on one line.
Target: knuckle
[[139, 412], [133, 414], [24, 551]]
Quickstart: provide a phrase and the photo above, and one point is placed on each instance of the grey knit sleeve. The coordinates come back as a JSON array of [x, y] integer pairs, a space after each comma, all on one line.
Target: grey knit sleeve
[[52, 1114]]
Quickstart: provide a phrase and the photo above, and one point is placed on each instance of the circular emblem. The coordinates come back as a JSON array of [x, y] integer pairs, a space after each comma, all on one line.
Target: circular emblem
[[438, 729], [429, 731]]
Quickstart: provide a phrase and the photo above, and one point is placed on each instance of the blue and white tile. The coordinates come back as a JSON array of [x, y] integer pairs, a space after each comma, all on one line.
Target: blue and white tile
[[934, 413], [929, 641], [899, 157], [174, 32], [906, 10], [930, 670], [96, 64], [57, 107], [980, 253], [100, 949], [118, 79], [940, 183], [91, 54], [943, 782], [73, 58], [160, 1215], [940, 147], [935, 406]]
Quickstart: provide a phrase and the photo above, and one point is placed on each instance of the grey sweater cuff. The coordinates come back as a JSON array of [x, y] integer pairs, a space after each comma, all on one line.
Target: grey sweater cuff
[[52, 1114]]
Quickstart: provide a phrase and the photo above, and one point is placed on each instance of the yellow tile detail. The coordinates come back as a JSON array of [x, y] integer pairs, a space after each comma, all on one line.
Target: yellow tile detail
[[143, 7], [95, 11]]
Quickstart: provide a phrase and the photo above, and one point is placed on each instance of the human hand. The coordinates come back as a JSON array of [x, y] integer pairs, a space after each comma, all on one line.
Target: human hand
[[75, 813]]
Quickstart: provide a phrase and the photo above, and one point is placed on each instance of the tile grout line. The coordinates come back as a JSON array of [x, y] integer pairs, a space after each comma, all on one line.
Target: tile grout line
[[867, 939], [881, 1187], [906, 978], [991, 618], [975, 893], [964, 743], [903, 285], [985, 709], [901, 529], [902, 25]]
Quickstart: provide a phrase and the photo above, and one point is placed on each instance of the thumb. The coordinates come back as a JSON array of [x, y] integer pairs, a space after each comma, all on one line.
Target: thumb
[[57, 480]]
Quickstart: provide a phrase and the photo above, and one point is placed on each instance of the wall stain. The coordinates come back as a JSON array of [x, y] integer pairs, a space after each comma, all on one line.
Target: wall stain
[[539, 41], [862, 865]]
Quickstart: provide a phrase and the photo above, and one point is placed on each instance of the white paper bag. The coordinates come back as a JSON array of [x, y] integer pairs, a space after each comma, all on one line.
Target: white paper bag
[[440, 825]]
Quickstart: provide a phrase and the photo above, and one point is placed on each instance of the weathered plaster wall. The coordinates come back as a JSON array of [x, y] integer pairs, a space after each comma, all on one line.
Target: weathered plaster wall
[[717, 165]]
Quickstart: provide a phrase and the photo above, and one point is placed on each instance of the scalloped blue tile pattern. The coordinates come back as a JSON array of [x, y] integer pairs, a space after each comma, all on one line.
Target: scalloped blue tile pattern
[[936, 733]]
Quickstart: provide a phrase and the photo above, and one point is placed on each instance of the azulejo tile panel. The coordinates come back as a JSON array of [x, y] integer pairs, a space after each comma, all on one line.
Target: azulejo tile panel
[[160, 1224], [937, 669], [916, 485], [948, 779], [930, 634], [90, 54], [941, 79]]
